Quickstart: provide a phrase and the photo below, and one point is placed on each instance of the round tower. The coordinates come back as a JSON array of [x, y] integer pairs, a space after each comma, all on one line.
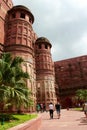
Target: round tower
[[44, 72], [5, 5], [20, 39], [19, 29]]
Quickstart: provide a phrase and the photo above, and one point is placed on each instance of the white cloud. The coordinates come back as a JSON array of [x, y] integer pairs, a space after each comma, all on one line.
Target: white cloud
[[79, 3], [81, 45]]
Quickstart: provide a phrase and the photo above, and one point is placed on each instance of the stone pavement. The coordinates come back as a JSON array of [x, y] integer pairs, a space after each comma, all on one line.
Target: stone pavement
[[69, 120]]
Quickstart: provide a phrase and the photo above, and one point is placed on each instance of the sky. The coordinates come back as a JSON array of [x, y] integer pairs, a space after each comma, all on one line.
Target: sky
[[63, 23]]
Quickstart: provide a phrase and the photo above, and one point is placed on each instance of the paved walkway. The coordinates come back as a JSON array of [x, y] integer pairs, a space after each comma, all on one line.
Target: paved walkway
[[69, 120]]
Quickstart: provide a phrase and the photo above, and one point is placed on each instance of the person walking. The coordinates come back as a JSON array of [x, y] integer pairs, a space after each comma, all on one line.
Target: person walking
[[58, 108], [44, 107], [51, 110], [85, 109], [38, 108]]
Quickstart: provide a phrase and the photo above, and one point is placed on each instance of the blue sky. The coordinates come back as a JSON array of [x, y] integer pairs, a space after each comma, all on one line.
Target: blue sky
[[63, 23]]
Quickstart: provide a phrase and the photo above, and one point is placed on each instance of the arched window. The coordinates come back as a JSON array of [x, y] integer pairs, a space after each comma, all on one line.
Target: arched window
[[22, 15], [30, 20], [46, 47], [39, 46], [13, 15]]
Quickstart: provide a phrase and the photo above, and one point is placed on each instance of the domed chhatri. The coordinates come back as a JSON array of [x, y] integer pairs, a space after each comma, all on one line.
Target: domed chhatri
[[43, 40], [21, 7]]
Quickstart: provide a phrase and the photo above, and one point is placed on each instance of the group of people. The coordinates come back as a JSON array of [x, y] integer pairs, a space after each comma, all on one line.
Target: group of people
[[40, 107], [57, 107]]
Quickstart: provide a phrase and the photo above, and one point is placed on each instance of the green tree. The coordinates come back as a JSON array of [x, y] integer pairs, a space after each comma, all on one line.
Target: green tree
[[81, 94], [13, 89]]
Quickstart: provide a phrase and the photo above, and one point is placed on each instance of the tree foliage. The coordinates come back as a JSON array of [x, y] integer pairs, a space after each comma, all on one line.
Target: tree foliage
[[13, 88], [81, 94]]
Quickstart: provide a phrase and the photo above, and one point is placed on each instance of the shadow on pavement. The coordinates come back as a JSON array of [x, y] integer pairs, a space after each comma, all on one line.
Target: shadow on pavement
[[83, 121]]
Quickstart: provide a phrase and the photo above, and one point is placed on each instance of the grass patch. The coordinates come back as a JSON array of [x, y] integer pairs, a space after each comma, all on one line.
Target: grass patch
[[78, 109], [15, 120]]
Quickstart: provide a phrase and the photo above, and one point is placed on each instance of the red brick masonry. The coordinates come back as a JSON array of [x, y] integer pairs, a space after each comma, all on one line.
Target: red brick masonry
[[33, 124]]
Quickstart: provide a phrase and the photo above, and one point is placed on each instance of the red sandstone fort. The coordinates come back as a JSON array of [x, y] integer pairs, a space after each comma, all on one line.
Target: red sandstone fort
[[50, 81]]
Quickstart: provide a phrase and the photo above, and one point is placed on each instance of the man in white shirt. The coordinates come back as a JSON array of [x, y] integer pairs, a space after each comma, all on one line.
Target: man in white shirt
[[51, 109]]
